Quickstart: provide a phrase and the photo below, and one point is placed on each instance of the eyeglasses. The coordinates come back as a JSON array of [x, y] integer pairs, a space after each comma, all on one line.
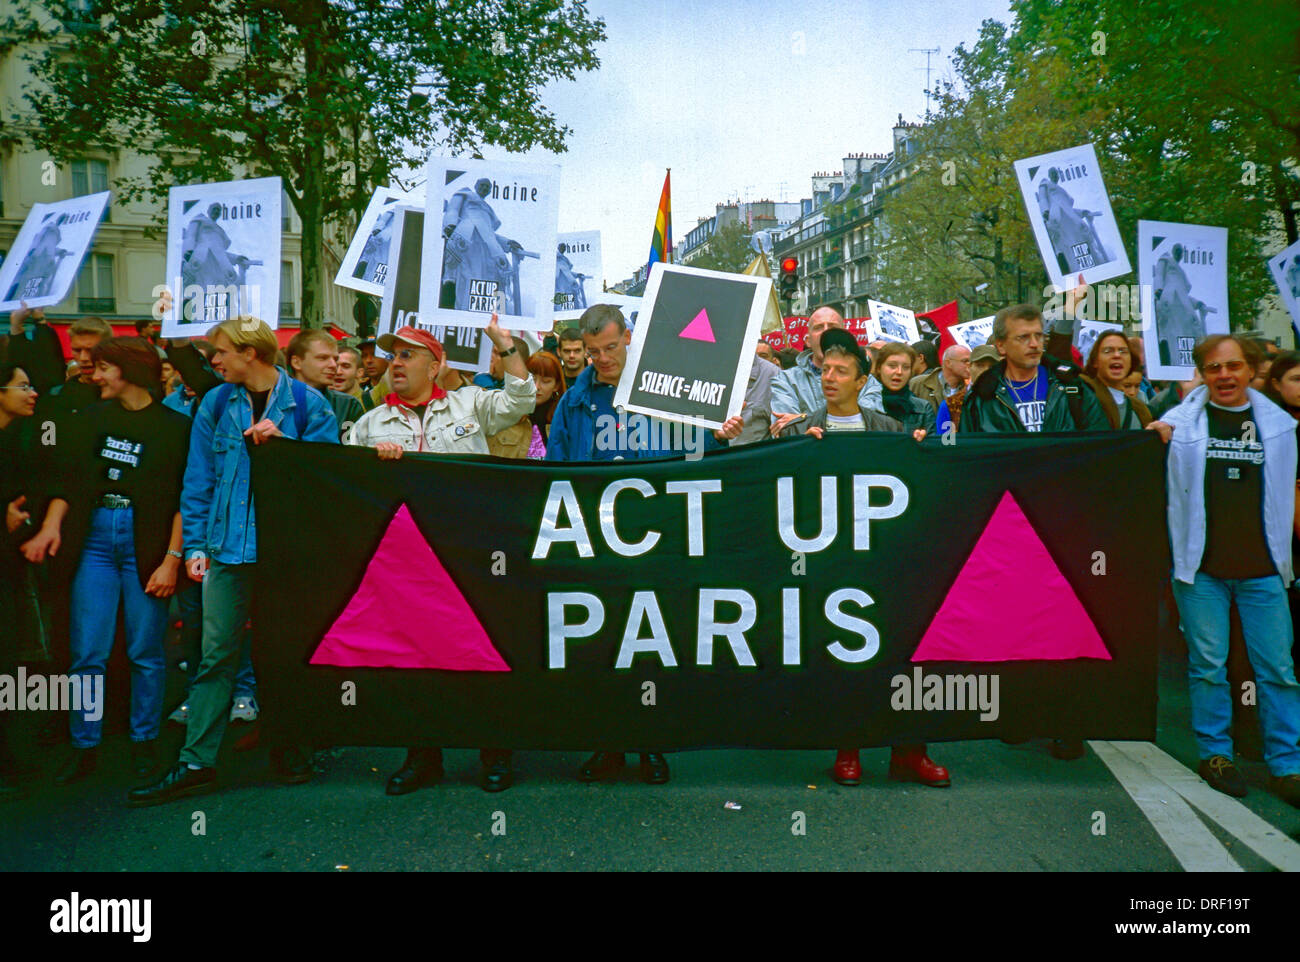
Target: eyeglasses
[[1232, 367], [1115, 351], [411, 352], [595, 352], [24, 387]]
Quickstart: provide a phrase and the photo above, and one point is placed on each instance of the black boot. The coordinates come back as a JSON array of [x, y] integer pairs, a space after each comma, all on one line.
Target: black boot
[[80, 764], [423, 766], [654, 768], [496, 774], [600, 766], [180, 780]]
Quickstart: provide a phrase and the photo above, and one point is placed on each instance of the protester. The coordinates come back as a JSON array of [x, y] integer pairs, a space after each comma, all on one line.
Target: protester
[[756, 414], [587, 428], [375, 386], [77, 392], [945, 380], [927, 356], [548, 374], [573, 356], [766, 352], [1284, 391], [20, 484], [39, 352], [1231, 474], [347, 372], [798, 390], [894, 366], [220, 531], [1268, 351], [1110, 362], [843, 369], [313, 356], [1028, 391], [420, 416], [1138, 349], [117, 521], [492, 379]]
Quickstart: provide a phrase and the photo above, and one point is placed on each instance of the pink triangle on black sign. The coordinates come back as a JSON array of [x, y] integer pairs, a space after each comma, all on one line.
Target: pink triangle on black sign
[[1010, 602], [699, 329], [407, 613]]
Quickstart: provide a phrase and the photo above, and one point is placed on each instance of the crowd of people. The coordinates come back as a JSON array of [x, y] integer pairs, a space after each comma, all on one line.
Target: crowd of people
[[127, 483]]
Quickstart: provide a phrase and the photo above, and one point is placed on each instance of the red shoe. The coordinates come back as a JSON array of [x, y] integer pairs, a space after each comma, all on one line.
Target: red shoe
[[914, 765], [847, 770]]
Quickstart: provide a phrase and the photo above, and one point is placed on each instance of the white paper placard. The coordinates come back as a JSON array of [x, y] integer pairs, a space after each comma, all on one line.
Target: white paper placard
[[365, 266], [973, 334], [1285, 268], [223, 254], [490, 243], [44, 258], [1070, 213], [579, 274], [890, 323], [1183, 272]]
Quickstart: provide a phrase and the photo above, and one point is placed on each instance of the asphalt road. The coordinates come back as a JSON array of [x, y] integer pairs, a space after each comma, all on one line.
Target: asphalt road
[[1010, 808]]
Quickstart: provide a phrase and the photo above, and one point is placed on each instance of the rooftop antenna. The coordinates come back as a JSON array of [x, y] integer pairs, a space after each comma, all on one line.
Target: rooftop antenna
[[927, 68]]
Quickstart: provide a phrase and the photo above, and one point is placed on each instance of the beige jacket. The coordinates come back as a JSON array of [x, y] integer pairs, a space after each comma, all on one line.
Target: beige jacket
[[456, 423]]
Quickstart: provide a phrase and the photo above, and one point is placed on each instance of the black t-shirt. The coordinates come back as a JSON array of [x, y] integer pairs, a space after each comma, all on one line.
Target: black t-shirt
[[259, 399], [120, 442], [1235, 545]]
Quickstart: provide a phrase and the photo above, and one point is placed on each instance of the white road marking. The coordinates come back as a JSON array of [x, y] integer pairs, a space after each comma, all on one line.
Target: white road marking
[[1265, 839], [1195, 847]]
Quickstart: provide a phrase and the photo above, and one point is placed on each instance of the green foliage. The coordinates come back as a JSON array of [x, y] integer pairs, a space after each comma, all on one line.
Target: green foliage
[[314, 91], [1177, 98], [727, 250]]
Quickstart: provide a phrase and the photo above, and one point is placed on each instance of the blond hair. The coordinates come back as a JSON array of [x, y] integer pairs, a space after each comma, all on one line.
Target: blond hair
[[247, 331]]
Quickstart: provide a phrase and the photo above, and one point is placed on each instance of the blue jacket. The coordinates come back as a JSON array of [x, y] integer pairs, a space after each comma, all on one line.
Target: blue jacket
[[216, 501], [586, 427]]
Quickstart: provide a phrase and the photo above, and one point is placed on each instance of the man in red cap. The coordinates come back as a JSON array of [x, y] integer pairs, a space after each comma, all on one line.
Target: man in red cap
[[420, 416]]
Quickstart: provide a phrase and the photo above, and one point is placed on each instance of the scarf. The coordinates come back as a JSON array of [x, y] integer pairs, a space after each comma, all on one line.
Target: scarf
[[897, 404]]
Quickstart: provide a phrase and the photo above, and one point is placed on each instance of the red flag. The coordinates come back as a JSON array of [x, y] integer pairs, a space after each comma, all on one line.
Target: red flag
[[943, 317]]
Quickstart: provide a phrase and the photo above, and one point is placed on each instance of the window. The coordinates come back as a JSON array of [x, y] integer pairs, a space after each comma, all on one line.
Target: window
[[95, 285], [91, 177], [286, 209], [286, 289]]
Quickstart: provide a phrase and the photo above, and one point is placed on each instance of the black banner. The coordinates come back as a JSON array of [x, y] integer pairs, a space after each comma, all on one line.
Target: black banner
[[861, 590]]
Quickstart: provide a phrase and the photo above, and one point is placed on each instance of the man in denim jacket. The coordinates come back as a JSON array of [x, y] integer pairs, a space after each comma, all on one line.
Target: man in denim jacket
[[258, 402]]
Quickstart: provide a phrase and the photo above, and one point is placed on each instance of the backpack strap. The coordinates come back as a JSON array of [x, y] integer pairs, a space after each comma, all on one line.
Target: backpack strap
[[1068, 376]]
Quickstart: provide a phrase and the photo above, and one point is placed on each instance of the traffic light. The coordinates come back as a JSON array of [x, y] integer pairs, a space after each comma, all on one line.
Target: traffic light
[[789, 277]]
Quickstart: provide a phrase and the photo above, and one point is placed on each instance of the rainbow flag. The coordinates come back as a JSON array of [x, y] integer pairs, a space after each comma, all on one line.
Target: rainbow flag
[[661, 242]]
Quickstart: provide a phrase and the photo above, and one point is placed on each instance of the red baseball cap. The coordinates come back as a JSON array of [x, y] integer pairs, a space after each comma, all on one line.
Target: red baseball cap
[[413, 336]]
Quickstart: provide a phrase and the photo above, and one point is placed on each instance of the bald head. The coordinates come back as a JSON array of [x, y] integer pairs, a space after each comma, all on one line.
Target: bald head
[[956, 365], [822, 319]]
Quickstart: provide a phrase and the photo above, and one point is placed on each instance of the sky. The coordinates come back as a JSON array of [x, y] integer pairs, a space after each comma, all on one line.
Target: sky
[[743, 100]]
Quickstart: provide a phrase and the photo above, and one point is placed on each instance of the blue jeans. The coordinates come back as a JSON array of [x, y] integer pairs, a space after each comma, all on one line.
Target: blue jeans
[[106, 574], [189, 609], [1266, 625]]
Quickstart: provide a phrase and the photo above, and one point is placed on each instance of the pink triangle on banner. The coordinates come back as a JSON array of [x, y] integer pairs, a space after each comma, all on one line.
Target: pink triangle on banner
[[699, 329], [436, 627], [1009, 570]]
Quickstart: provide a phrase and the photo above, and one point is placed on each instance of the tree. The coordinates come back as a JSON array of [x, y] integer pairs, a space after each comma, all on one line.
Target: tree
[[727, 250], [1194, 110], [327, 94]]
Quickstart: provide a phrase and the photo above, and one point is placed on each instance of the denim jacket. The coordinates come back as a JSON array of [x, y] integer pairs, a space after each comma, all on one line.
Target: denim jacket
[[216, 501]]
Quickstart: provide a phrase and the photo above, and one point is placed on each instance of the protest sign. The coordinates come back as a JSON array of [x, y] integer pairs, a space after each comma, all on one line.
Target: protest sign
[[44, 258], [579, 274], [490, 243], [890, 323], [922, 568], [973, 334], [1183, 270], [467, 349], [223, 254], [1089, 331], [692, 351], [1070, 213], [1285, 268], [365, 265]]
